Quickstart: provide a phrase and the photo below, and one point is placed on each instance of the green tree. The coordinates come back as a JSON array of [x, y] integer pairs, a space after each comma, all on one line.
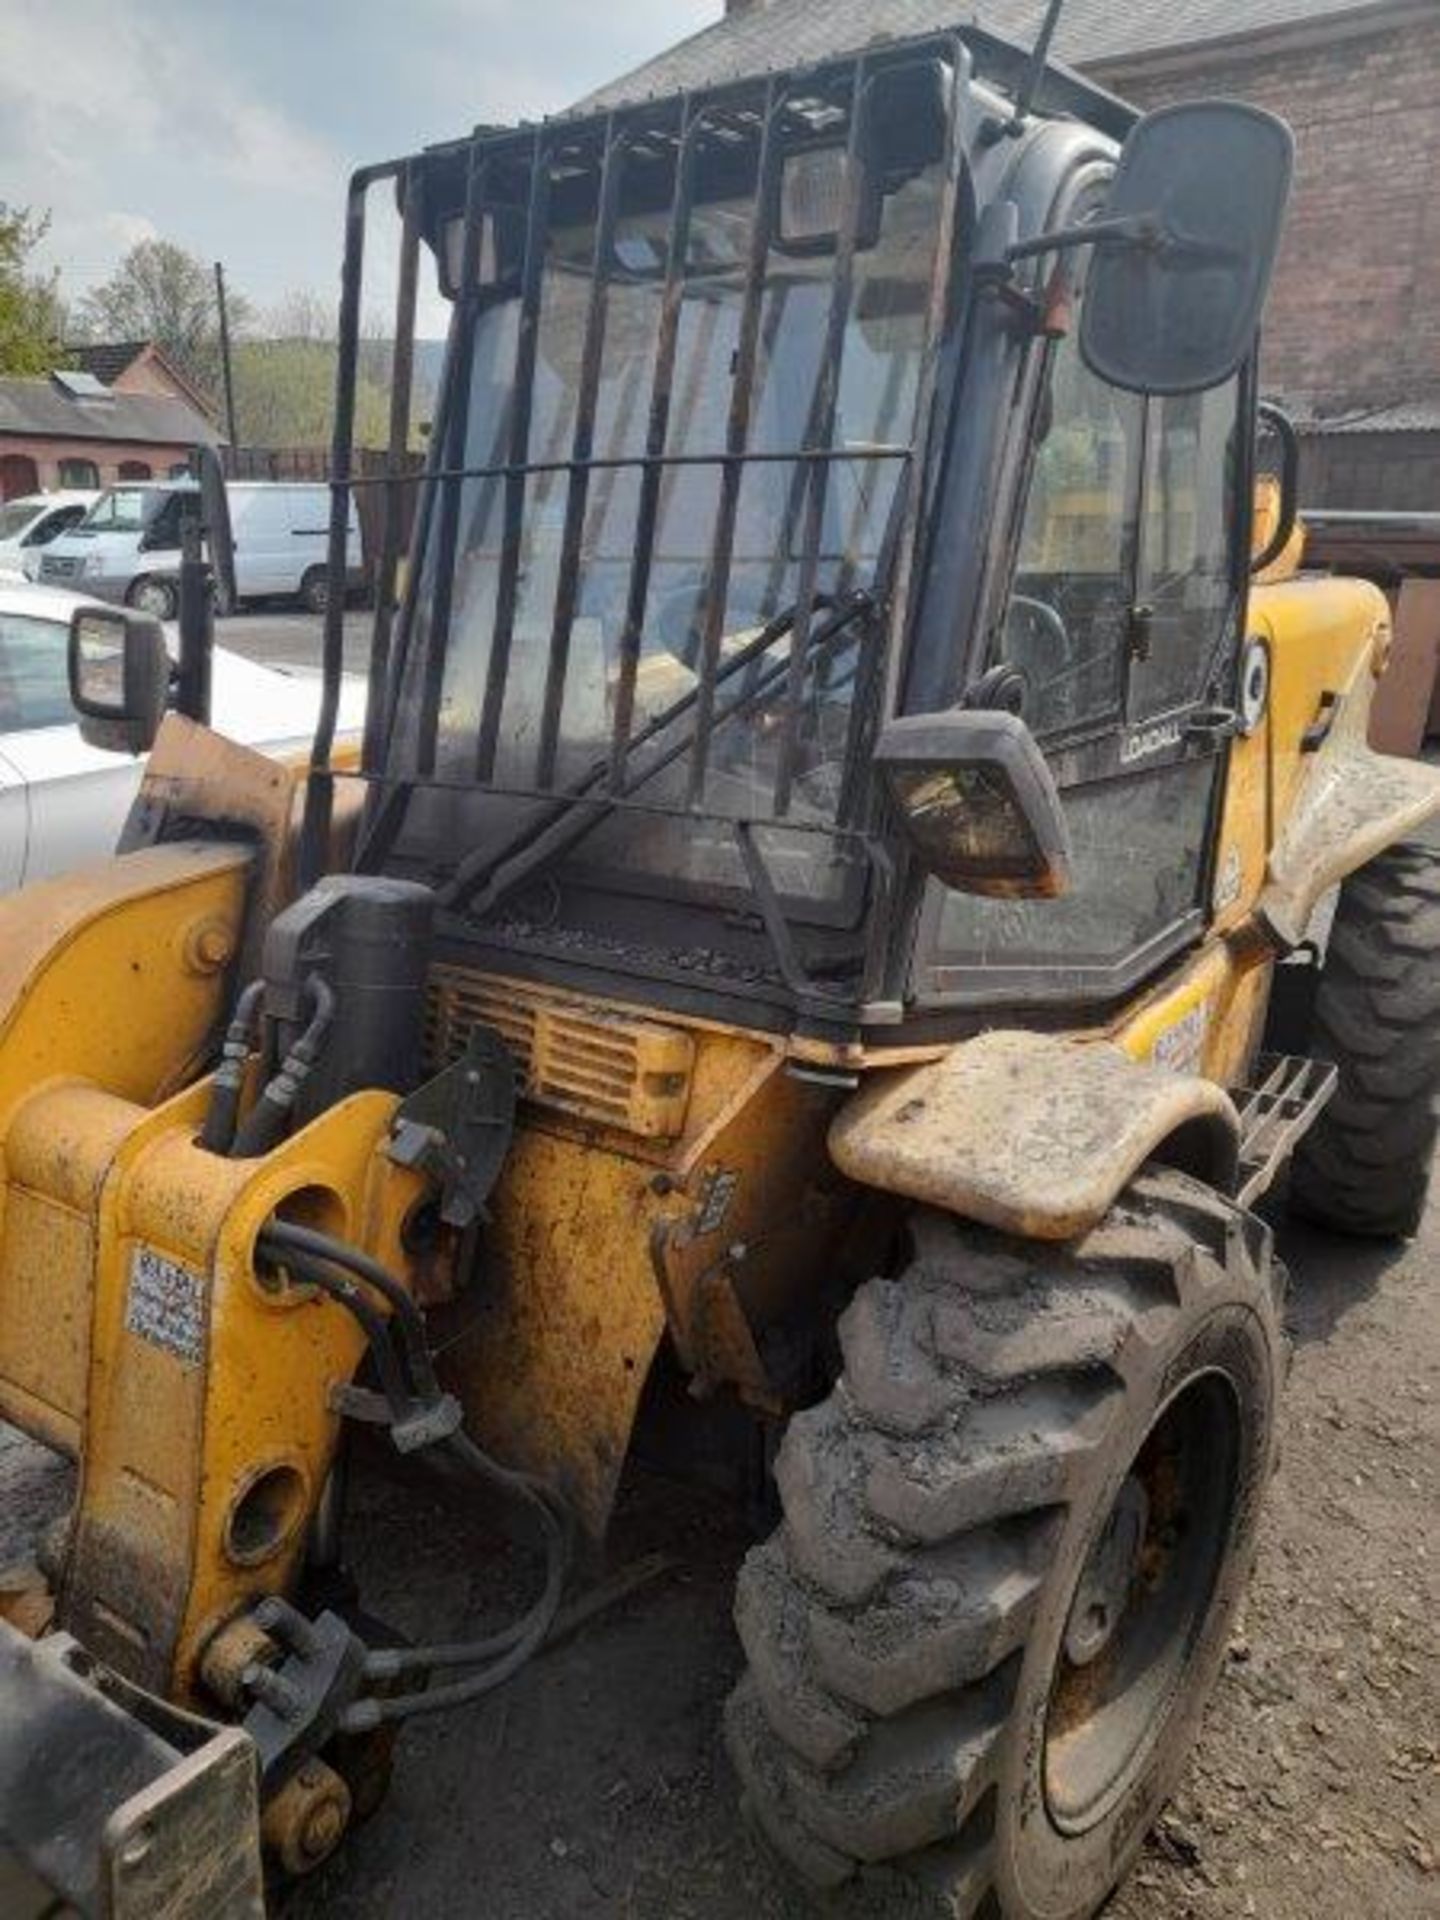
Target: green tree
[[285, 382], [159, 292], [30, 314], [285, 396]]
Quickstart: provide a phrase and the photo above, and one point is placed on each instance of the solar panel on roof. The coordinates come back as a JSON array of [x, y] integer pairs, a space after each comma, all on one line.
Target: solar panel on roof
[[80, 386]]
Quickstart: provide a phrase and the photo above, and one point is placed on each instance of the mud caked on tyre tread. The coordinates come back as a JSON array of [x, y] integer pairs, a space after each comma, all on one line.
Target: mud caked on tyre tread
[[937, 1511], [1364, 1167]]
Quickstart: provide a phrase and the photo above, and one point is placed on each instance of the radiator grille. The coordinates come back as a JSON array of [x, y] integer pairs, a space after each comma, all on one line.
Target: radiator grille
[[631, 1074]]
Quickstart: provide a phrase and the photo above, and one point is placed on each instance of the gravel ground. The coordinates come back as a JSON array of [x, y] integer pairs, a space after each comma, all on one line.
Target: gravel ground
[[594, 1788]]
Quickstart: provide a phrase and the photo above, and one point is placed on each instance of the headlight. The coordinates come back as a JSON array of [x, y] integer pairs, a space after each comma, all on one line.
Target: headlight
[[978, 802], [95, 563]]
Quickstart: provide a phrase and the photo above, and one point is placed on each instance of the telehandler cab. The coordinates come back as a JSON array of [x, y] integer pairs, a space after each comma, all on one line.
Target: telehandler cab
[[842, 771]]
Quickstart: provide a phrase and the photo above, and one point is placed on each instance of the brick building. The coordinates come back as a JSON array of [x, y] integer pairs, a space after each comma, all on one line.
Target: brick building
[[1352, 337], [1353, 333], [115, 412], [139, 366]]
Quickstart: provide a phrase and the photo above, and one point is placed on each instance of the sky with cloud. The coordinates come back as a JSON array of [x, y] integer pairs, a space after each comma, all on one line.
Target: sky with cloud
[[230, 126]]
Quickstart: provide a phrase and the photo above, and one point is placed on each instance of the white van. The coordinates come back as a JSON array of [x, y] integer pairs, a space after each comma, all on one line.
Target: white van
[[34, 520], [128, 546]]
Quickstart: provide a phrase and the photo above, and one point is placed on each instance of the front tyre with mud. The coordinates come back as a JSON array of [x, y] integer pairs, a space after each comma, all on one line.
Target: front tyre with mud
[[1015, 1537]]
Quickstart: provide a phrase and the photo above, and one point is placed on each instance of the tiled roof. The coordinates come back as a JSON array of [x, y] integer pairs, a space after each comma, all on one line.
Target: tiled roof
[[790, 33], [106, 359], [109, 359], [1417, 416], [41, 408]]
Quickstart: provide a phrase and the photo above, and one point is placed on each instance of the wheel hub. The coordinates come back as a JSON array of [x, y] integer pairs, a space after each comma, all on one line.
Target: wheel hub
[[1104, 1589], [1140, 1603]]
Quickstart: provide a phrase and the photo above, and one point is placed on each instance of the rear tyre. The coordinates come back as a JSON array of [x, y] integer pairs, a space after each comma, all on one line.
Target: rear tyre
[[150, 594], [315, 590], [1015, 1538], [1364, 1167]]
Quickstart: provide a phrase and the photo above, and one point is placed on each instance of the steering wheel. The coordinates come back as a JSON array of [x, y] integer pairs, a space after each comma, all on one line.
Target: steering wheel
[[1042, 619]]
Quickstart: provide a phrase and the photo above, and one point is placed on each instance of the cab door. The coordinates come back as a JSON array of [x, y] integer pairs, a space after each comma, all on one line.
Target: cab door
[[1117, 637]]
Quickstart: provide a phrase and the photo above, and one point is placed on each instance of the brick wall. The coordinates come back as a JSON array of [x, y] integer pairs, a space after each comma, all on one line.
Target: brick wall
[[1355, 317], [147, 373], [145, 377], [107, 455]]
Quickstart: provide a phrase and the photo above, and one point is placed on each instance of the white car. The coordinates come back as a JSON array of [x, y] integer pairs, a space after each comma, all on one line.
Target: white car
[[63, 802], [30, 523]]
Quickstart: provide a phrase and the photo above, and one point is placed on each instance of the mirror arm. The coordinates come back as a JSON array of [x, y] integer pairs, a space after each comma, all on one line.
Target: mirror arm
[[995, 279], [1050, 314], [1130, 230]]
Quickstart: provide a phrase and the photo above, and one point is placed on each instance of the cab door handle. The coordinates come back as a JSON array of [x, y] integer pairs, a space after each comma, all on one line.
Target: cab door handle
[[1212, 725]]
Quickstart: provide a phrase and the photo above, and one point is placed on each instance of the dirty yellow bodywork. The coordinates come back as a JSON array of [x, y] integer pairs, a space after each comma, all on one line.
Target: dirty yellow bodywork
[[140, 1334], [1032, 1133], [671, 1178], [605, 1237], [135, 1334]]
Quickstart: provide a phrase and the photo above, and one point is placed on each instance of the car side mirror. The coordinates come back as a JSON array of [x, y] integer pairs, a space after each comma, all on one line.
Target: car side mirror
[[1185, 251], [978, 802], [119, 677]]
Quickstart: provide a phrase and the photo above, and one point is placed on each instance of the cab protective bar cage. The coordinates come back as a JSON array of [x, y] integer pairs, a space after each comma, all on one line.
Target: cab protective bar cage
[[753, 118]]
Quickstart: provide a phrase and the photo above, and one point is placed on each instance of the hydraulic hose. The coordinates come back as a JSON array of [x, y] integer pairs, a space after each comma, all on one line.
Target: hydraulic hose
[[224, 1110], [272, 1246], [407, 1372], [268, 1120], [526, 1488], [503, 1653], [285, 1234]]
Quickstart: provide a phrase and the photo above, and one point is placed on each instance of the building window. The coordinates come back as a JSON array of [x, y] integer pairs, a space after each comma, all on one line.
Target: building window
[[79, 473], [136, 470]]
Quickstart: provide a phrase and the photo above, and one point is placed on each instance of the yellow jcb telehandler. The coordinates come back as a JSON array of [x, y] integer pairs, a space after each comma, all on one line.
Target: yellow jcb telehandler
[[823, 923]]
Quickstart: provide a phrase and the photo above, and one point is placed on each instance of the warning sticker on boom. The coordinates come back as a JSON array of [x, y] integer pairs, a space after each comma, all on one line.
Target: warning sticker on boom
[[165, 1304]]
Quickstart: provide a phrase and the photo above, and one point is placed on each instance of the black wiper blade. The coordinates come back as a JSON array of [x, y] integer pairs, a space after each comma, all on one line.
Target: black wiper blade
[[482, 880]]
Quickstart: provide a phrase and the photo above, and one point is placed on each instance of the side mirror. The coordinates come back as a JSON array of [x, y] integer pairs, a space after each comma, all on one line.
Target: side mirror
[[119, 677], [1186, 249], [978, 803]]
